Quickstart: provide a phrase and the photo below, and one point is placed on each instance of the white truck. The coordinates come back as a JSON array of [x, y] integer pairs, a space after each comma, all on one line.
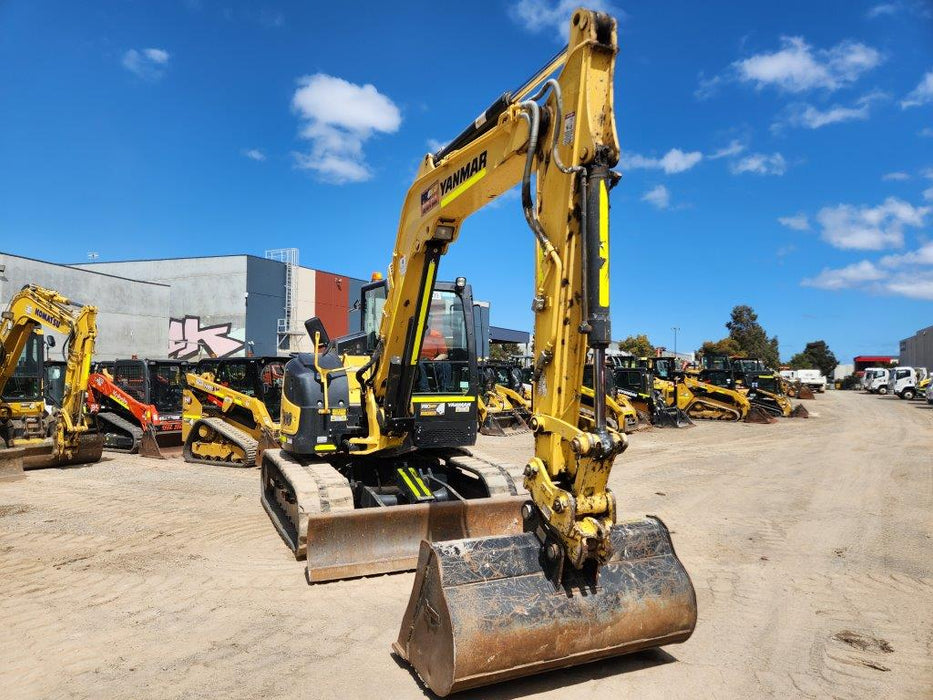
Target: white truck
[[875, 380], [904, 381]]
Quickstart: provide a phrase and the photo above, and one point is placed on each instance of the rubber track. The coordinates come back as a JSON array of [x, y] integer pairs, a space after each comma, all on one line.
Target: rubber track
[[500, 479], [734, 414], [238, 437], [316, 488], [122, 424]]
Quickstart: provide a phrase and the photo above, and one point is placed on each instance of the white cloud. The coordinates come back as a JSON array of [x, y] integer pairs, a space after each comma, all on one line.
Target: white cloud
[[920, 95], [338, 117], [435, 145], [674, 161], [886, 8], [254, 154], [914, 285], [546, 15], [922, 256], [896, 176], [869, 228], [796, 67], [928, 194], [659, 197], [733, 149], [798, 222], [925, 131], [148, 64], [854, 275], [760, 164]]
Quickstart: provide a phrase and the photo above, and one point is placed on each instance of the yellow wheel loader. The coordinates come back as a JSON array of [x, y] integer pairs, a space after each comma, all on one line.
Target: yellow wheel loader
[[513, 577], [69, 438], [231, 410]]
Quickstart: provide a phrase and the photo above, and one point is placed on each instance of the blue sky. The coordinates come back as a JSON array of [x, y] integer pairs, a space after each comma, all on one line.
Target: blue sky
[[775, 154]]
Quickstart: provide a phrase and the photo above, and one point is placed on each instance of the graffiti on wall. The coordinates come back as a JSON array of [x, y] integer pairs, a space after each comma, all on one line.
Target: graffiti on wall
[[186, 336]]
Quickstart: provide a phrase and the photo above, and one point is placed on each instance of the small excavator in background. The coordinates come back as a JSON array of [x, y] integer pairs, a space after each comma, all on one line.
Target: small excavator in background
[[231, 410], [513, 577], [26, 440], [138, 405]]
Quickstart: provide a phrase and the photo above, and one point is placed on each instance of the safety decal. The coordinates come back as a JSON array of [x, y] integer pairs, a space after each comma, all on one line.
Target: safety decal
[[430, 198]]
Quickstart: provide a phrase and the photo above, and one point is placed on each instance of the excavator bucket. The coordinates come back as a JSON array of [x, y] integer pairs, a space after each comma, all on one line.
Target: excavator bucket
[[800, 411], [372, 541], [483, 610], [11, 463], [805, 392], [89, 450], [756, 414], [503, 424]]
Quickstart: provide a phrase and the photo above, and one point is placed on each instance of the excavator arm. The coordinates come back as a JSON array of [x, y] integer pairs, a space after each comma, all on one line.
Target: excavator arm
[[564, 138], [35, 306]]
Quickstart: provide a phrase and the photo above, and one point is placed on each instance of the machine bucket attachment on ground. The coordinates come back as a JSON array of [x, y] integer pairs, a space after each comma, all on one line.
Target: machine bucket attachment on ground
[[371, 541], [151, 444], [90, 449], [805, 392], [11, 463], [671, 417], [483, 611], [800, 411], [756, 414], [503, 424]]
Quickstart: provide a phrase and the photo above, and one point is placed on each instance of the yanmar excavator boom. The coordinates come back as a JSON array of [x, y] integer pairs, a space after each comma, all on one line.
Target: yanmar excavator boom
[[506, 585]]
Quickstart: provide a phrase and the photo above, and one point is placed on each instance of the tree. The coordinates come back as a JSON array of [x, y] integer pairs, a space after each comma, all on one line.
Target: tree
[[816, 355], [504, 351], [726, 346], [751, 338], [638, 345]]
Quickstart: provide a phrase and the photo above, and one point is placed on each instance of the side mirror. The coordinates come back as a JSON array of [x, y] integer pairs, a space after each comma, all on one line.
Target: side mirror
[[315, 327], [50, 341]]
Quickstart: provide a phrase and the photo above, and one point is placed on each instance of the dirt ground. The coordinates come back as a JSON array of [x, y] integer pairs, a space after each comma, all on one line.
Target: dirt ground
[[808, 541]]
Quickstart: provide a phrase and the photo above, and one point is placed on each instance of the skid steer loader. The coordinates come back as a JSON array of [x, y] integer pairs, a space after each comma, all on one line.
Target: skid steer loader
[[514, 576], [231, 410], [503, 410]]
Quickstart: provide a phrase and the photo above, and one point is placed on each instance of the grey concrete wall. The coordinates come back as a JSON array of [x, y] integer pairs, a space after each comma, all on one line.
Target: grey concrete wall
[[265, 304], [917, 350], [133, 315], [208, 301]]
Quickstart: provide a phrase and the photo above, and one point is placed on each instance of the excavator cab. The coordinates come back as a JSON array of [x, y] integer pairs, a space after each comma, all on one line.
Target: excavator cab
[[23, 393], [54, 388]]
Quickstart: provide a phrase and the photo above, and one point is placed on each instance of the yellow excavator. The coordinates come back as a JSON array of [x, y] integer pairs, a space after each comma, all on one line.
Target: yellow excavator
[[231, 410], [376, 468], [72, 439]]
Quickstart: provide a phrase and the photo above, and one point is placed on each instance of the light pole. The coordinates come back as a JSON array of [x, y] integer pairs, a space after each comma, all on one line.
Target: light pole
[[675, 329]]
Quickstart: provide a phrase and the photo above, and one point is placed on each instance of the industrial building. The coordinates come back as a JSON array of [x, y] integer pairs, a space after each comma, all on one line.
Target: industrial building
[[223, 306], [232, 305], [917, 350], [133, 315]]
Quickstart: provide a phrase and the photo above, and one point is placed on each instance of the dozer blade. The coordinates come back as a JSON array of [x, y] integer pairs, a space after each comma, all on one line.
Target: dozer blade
[[483, 611], [11, 463], [800, 411], [371, 541], [756, 414], [90, 449]]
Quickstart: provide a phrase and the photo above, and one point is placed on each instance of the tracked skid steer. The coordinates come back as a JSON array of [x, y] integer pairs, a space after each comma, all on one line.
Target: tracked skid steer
[[521, 568]]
